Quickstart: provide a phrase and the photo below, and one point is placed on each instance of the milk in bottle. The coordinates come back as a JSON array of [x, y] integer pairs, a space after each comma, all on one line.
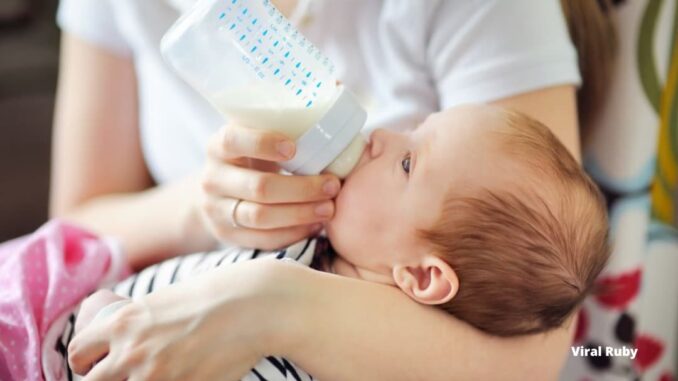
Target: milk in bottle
[[255, 68]]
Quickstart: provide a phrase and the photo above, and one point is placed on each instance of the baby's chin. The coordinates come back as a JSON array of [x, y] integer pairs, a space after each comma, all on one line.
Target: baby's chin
[[333, 225], [349, 207]]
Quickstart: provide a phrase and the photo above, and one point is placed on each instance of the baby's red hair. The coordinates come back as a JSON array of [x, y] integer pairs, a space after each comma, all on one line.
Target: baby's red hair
[[527, 254]]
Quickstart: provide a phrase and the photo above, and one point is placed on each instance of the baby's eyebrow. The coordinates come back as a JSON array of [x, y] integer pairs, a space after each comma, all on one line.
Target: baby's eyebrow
[[420, 153], [417, 154]]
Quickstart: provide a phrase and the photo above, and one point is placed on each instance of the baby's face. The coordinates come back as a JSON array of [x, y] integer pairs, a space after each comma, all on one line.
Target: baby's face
[[400, 183]]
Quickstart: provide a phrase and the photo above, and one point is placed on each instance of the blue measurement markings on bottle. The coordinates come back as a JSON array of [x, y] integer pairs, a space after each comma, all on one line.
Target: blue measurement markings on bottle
[[269, 46]]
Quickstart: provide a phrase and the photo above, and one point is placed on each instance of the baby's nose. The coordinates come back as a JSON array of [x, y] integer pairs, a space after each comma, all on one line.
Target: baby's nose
[[376, 144], [365, 157], [370, 153]]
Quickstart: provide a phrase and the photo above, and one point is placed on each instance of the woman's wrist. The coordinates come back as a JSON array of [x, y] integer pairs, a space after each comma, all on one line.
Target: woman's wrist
[[193, 231]]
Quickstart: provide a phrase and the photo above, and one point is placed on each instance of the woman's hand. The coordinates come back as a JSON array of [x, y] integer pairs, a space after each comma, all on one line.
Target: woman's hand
[[216, 327], [276, 209]]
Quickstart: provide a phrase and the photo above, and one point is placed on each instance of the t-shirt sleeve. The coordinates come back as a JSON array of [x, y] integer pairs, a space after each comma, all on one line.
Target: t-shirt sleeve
[[93, 21], [480, 51]]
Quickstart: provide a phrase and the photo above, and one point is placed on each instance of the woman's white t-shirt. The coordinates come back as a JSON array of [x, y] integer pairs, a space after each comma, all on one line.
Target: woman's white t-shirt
[[405, 59]]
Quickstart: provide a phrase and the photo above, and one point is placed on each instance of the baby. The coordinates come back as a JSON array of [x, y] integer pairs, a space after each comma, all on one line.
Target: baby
[[480, 211]]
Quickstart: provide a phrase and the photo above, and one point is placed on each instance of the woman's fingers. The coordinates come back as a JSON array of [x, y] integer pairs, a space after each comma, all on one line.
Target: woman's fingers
[[265, 187], [88, 347], [233, 142], [104, 371], [262, 216], [276, 210], [271, 239], [93, 305]]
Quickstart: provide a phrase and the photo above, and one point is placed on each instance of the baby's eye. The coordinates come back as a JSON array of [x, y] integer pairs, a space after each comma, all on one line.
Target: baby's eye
[[405, 163]]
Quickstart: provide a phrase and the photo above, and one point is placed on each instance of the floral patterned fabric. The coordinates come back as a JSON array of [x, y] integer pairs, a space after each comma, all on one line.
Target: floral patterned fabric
[[633, 153]]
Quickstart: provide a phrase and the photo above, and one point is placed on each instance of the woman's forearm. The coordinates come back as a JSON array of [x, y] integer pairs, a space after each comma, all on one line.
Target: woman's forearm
[[99, 176], [353, 329], [556, 107], [151, 225]]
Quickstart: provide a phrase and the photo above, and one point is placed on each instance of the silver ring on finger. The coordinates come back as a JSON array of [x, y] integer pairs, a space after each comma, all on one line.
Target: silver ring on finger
[[234, 209]]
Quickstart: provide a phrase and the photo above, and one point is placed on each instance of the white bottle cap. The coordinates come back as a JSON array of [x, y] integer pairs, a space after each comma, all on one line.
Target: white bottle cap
[[321, 144]]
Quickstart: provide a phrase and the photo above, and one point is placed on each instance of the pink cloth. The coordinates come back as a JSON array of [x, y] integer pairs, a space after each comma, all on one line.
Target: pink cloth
[[43, 276]]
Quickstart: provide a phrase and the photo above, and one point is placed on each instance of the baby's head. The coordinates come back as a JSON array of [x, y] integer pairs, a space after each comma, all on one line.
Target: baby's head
[[481, 211]]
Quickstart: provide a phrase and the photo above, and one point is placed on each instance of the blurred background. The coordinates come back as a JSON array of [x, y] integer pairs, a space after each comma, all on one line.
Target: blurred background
[[29, 47]]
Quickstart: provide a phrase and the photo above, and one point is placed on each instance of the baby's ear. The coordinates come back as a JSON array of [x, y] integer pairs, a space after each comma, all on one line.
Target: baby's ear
[[431, 281]]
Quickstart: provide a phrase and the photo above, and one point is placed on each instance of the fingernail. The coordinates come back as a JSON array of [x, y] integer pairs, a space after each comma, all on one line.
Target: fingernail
[[331, 187], [285, 148], [324, 209]]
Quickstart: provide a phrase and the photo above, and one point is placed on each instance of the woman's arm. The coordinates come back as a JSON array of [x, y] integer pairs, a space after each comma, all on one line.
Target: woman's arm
[[350, 327], [218, 325], [556, 107], [99, 178]]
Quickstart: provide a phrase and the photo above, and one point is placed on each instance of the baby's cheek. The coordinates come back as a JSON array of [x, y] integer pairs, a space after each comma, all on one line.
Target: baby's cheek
[[350, 216], [345, 205], [355, 201]]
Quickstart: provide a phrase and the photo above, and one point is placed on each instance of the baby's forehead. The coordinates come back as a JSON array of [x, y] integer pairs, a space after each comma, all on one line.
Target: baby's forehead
[[466, 120], [457, 146], [469, 129], [471, 146]]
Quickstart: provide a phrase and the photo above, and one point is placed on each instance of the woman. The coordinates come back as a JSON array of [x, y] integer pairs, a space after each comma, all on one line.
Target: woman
[[406, 61]]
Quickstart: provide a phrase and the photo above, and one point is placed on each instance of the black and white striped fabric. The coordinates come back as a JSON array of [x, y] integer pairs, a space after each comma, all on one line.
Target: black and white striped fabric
[[181, 268]]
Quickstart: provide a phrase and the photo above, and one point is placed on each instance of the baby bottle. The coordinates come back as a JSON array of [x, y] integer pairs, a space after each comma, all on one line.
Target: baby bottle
[[254, 67]]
